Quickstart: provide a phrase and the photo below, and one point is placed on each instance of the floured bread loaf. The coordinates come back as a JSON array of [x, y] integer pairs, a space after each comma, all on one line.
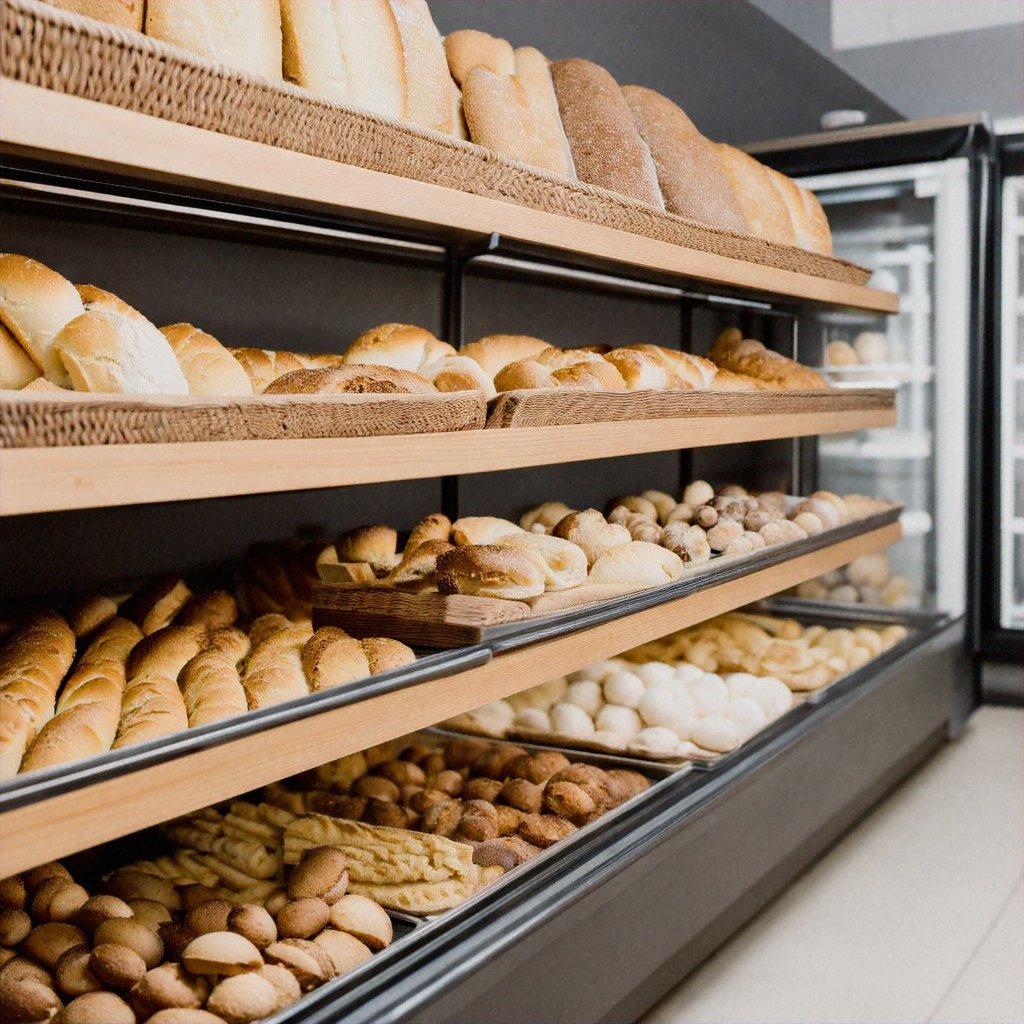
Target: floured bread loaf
[[428, 84], [688, 173], [242, 34], [761, 204], [606, 147], [209, 368], [805, 214], [350, 53]]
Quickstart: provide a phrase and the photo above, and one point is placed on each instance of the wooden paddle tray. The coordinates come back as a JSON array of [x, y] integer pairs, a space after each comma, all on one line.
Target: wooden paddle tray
[[49, 419], [561, 407], [429, 619]]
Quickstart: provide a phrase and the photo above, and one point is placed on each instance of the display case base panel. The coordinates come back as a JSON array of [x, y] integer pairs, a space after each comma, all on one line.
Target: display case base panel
[[606, 939]]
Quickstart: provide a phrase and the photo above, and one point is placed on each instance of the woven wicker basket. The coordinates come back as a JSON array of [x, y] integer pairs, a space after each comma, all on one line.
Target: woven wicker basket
[[43, 46]]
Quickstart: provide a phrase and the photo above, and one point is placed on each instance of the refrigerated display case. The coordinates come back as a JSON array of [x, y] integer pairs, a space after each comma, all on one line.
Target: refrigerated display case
[[911, 202]]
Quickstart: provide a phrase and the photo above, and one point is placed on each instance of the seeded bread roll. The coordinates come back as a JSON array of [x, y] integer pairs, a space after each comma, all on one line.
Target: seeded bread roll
[[152, 706], [263, 366], [385, 654], [428, 84], [489, 571], [496, 351], [607, 150], [383, 380], [348, 53], [688, 173], [35, 303], [123, 13], [273, 672], [16, 366], [242, 34], [209, 368], [400, 346], [762, 206]]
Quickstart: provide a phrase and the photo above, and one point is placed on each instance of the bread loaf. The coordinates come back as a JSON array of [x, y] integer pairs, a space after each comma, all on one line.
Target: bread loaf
[[111, 353], [35, 303], [380, 380], [428, 84], [762, 206], [733, 352], [123, 13], [209, 368], [496, 351], [467, 48], [607, 150], [524, 374], [264, 366], [211, 688], [489, 571], [242, 34], [16, 732], [151, 707], [401, 346], [375, 544], [533, 72], [563, 563], [330, 657], [273, 671], [810, 225], [639, 370], [690, 370], [482, 529], [689, 176], [86, 614], [596, 376], [16, 366], [349, 53]]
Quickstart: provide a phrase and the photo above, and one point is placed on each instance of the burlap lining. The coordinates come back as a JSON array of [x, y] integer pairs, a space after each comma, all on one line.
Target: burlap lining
[[43, 46]]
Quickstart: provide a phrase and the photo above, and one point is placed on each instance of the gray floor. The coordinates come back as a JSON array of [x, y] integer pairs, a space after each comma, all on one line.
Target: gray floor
[[917, 915]]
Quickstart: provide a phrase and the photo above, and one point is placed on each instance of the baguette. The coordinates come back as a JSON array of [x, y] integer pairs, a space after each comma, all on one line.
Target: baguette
[[607, 150], [428, 84], [762, 206], [87, 614], [33, 664], [688, 173], [16, 366], [16, 732], [89, 681], [152, 707], [209, 368], [533, 71], [273, 670], [242, 34], [164, 652], [209, 611], [810, 225], [157, 603], [211, 688], [349, 53], [467, 49]]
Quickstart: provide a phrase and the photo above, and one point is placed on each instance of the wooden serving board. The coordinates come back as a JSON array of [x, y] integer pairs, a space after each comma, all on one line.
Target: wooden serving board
[[53, 419], [563, 406]]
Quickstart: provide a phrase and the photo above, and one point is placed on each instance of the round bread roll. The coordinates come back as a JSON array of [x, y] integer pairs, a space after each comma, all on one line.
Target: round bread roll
[[254, 923], [535, 719], [637, 562], [586, 694], [47, 943], [209, 368], [569, 720], [563, 563], [376, 544], [284, 983], [132, 884], [489, 571], [302, 918], [656, 740], [322, 871], [14, 926], [133, 934], [871, 347], [101, 1008], [243, 998], [548, 514], [363, 918], [747, 715], [401, 346], [309, 963], [496, 351], [657, 673], [622, 722], [150, 913], [708, 693], [590, 531], [19, 967], [840, 353], [459, 373], [211, 916], [35, 877], [14, 892], [344, 949], [72, 975], [221, 953], [57, 899], [24, 1001], [715, 733], [624, 688], [524, 375], [177, 1015], [482, 530], [166, 986], [116, 966]]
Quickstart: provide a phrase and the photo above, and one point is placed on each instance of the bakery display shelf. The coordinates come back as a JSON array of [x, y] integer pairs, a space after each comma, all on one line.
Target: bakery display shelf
[[179, 774], [62, 129], [536, 946], [65, 477]]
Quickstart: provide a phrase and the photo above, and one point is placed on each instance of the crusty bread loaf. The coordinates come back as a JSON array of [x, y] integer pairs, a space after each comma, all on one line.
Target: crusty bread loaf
[[375, 544], [385, 654], [350, 53], [110, 353], [496, 351], [242, 34], [87, 613], [379, 380], [401, 346], [637, 561], [97, 677], [458, 373], [563, 563], [428, 83], [34, 661], [524, 374], [330, 657], [16, 732], [164, 652], [264, 366], [211, 688], [123, 13], [689, 370], [467, 48], [599, 375], [155, 605], [16, 366], [209, 368], [762, 206], [733, 352], [209, 611], [606, 147], [559, 358], [151, 707], [487, 570], [810, 225], [690, 179], [482, 529], [35, 303], [273, 671], [639, 370], [533, 72]]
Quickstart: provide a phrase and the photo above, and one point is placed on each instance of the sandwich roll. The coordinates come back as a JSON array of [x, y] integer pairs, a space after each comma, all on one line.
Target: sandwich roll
[[607, 150], [482, 530], [375, 544], [349, 53], [385, 654], [639, 370], [106, 352], [123, 13], [459, 373], [401, 346], [428, 83], [94, 298], [595, 376], [688, 173], [242, 34], [209, 368], [16, 366], [490, 571], [35, 303], [330, 657], [760, 203]]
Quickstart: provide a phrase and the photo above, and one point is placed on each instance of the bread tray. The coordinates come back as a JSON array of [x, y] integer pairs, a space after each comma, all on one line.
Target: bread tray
[[430, 619]]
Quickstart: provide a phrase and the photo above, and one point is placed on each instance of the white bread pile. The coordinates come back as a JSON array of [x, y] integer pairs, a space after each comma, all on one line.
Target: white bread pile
[[866, 580], [569, 118]]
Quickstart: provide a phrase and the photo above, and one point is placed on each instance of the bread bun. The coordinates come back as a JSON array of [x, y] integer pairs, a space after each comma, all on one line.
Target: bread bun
[[309, 963], [301, 918], [547, 514], [330, 657], [345, 950], [400, 346], [355, 380], [376, 544], [264, 366], [647, 565], [284, 983], [221, 953], [167, 986], [489, 571], [525, 375], [16, 366], [759, 201], [322, 872], [209, 368], [482, 530], [496, 351], [458, 373], [363, 918], [563, 563], [594, 376], [639, 370], [243, 998]]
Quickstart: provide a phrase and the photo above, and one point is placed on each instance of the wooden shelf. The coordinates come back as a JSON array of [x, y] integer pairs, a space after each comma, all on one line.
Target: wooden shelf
[[82, 133], [126, 803], [92, 476]]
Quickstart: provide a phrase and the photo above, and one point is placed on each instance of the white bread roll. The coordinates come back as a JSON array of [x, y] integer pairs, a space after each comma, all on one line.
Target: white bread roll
[[35, 303], [639, 562], [691, 370], [428, 84], [382, 380], [264, 366], [607, 150], [762, 206], [347, 52], [593, 375], [458, 373], [467, 48], [639, 370], [110, 353], [209, 368], [524, 374], [496, 351], [482, 530], [16, 366], [401, 346], [688, 173], [241, 34], [124, 13], [563, 563]]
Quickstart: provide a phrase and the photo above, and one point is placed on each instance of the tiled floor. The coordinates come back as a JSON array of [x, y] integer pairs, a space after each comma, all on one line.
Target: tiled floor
[[917, 915]]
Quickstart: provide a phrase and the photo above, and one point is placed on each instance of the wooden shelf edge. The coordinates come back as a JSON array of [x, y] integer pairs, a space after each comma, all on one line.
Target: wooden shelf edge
[[96, 476], [85, 133], [77, 820]]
